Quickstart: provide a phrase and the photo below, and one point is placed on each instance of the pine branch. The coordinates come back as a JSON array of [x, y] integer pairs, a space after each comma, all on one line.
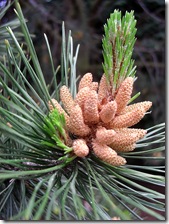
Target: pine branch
[[118, 43], [41, 176]]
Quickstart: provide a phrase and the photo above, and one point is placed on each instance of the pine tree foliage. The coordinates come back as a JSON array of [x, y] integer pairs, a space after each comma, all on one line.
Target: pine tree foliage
[[118, 43], [14, 24], [40, 177]]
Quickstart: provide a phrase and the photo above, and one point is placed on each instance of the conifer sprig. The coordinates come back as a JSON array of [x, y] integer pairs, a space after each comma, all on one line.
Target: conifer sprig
[[118, 43]]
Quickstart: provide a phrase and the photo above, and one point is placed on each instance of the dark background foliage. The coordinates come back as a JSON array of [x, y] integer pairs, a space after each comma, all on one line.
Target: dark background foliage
[[85, 18]]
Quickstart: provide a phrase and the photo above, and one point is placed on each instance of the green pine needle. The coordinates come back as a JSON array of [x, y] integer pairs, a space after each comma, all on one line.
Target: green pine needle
[[118, 43]]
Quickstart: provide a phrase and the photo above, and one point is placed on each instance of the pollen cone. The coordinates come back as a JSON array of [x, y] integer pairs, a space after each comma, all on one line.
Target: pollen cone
[[108, 111], [85, 81], [118, 161], [125, 148], [126, 137], [103, 88], [91, 114], [124, 94], [66, 99], [140, 132], [80, 147], [82, 96], [145, 105], [107, 154], [76, 122], [103, 151], [129, 119], [94, 86], [104, 136]]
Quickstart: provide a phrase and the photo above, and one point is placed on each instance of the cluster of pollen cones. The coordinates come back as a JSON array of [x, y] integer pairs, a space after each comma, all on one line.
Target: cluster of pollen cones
[[99, 120]]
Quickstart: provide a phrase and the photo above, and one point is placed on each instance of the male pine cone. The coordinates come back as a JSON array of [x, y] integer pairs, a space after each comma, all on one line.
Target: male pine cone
[[100, 120]]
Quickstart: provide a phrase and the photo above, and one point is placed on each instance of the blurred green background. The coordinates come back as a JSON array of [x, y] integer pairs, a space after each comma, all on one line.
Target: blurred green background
[[85, 18]]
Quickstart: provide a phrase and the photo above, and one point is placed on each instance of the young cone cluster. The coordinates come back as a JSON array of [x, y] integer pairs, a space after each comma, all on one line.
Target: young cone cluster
[[100, 120]]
